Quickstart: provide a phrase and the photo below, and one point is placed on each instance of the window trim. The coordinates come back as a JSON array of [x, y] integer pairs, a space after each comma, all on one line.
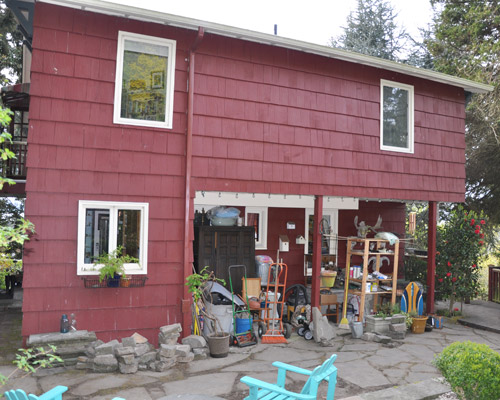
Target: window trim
[[113, 206], [262, 211], [410, 121], [170, 80], [333, 213]]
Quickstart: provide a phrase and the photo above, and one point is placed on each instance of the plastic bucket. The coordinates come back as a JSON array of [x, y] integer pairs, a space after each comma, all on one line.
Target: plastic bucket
[[356, 329], [243, 324]]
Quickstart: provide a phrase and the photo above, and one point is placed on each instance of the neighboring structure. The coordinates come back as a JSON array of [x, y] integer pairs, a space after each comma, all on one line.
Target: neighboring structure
[[136, 118]]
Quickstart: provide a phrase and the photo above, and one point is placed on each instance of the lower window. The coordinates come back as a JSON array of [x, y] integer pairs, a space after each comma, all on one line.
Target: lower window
[[104, 226]]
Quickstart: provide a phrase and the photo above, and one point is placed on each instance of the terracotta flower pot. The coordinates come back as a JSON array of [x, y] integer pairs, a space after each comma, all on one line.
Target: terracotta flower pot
[[418, 325]]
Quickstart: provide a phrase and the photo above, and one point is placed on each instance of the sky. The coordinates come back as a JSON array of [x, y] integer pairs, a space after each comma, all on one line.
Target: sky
[[314, 21]]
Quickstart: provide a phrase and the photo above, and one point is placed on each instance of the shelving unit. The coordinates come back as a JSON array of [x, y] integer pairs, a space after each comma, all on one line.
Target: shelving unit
[[381, 248]]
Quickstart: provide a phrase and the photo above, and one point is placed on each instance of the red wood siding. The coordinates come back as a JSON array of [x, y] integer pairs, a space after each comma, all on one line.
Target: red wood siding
[[281, 120], [266, 120], [77, 153]]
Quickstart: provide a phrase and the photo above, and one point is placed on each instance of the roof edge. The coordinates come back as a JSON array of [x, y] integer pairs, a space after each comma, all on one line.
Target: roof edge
[[120, 10]]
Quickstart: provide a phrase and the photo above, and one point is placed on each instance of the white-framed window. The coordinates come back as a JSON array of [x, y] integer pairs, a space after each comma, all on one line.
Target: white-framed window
[[257, 217], [396, 117], [104, 225], [328, 243], [144, 87]]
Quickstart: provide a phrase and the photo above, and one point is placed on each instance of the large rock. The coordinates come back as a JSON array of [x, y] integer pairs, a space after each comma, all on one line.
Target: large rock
[[322, 330], [129, 342], [147, 357], [128, 368], [105, 363], [139, 339], [167, 351], [195, 341], [103, 349], [169, 334]]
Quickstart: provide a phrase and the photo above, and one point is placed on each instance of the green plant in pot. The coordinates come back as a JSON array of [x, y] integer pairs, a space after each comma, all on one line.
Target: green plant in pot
[[197, 282], [418, 322], [112, 266]]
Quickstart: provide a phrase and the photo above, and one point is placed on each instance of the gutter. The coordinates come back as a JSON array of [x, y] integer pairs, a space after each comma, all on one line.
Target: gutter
[[188, 251]]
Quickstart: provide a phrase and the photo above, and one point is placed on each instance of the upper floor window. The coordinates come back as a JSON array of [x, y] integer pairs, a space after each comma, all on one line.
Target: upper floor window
[[396, 116], [144, 87], [103, 226]]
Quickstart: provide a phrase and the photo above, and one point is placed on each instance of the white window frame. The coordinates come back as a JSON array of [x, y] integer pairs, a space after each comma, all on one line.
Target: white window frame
[[170, 80], [113, 207], [333, 213], [410, 122], [262, 211]]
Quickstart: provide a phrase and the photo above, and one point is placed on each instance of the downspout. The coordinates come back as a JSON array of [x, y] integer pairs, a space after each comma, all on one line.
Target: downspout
[[188, 253]]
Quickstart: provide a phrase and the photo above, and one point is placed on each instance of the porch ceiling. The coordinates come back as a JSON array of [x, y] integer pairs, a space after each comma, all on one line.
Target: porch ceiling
[[272, 200]]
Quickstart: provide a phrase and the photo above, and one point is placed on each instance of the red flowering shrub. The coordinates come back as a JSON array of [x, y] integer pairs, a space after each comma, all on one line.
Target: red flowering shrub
[[458, 248]]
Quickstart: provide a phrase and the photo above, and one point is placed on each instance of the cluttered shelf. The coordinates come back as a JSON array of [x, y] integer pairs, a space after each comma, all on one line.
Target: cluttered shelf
[[359, 292], [370, 280], [372, 253]]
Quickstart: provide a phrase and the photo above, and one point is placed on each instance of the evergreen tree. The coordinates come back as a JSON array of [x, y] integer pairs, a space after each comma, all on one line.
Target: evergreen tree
[[467, 44], [11, 49], [372, 29]]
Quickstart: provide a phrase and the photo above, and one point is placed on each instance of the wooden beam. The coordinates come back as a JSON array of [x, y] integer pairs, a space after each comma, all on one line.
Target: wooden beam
[[316, 260], [431, 256]]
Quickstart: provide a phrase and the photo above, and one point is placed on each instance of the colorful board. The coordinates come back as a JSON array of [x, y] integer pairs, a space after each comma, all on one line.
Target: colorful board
[[412, 299]]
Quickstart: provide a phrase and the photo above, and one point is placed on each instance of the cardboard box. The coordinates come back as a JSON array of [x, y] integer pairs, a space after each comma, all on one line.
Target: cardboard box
[[328, 299]]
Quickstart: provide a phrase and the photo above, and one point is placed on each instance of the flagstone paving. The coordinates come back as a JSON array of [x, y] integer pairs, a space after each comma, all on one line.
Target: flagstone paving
[[366, 370]]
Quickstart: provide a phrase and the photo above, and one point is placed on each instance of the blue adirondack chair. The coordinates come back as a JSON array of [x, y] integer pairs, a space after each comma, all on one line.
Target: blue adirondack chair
[[268, 391], [52, 394]]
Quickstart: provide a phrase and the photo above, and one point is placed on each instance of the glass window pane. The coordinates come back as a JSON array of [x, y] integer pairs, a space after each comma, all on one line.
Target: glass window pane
[[253, 220], [144, 81], [96, 233], [129, 232], [395, 117]]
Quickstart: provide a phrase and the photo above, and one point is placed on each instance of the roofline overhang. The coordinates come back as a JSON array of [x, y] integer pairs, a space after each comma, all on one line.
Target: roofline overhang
[[145, 15]]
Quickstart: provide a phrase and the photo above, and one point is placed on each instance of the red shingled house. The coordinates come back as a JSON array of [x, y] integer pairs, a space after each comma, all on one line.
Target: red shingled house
[[137, 118]]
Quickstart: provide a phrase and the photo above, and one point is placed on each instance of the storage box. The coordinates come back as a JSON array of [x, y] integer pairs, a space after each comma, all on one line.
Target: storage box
[[438, 321], [328, 299]]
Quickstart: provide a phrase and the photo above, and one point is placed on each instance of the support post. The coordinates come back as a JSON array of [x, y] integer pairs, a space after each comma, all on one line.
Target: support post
[[431, 256], [316, 259]]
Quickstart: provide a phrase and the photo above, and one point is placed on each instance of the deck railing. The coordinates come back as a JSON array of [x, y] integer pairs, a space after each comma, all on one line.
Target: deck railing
[[494, 284], [15, 168]]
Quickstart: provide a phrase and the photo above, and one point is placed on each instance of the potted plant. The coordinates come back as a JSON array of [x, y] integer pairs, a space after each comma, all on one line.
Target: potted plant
[[418, 322], [218, 342], [112, 267]]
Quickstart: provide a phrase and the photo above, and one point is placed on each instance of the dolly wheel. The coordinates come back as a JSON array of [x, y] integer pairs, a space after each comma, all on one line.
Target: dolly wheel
[[308, 335], [301, 330], [288, 330], [262, 329]]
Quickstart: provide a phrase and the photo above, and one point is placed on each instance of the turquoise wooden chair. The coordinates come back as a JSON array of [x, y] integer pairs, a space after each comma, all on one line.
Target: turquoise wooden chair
[[52, 394], [269, 391]]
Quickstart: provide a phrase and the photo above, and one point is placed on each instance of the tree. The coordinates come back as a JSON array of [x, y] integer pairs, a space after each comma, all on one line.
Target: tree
[[372, 29], [460, 243], [13, 231], [466, 43], [11, 49]]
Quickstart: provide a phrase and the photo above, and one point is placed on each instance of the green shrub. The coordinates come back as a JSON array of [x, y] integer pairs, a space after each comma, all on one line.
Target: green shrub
[[472, 370]]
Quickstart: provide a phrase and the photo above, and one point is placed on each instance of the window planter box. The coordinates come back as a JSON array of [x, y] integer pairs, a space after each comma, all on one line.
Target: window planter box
[[133, 281]]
